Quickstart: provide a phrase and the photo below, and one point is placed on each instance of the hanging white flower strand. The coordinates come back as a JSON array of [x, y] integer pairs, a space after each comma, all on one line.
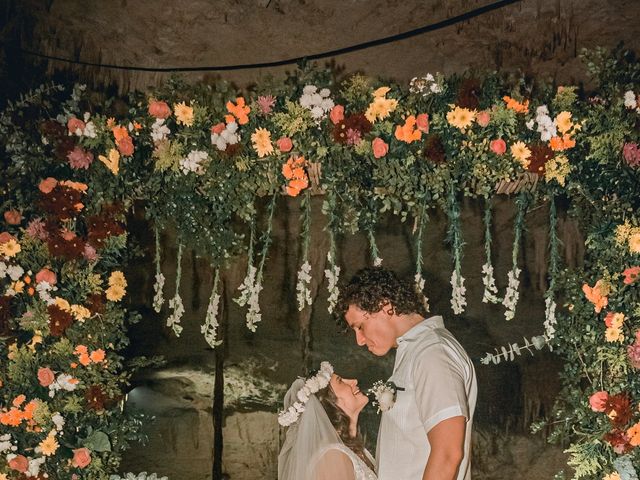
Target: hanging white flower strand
[[173, 321], [458, 290], [419, 279], [246, 286], [303, 284], [554, 253], [490, 290], [512, 294], [158, 298], [332, 274], [373, 248], [210, 326]]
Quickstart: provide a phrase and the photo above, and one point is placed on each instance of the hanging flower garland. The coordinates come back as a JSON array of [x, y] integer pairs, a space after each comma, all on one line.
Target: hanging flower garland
[[173, 321], [454, 234], [209, 328], [490, 294], [332, 274], [303, 290], [550, 321], [512, 294], [419, 279], [158, 286], [373, 248]]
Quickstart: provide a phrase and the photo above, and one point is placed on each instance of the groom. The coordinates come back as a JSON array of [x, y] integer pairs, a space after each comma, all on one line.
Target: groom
[[426, 435]]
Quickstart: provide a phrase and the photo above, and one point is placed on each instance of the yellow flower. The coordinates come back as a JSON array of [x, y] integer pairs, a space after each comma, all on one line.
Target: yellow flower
[[184, 113], [563, 122], [117, 279], [3, 476], [380, 108], [623, 232], [634, 241], [10, 248], [617, 320], [381, 92], [49, 445], [112, 162], [461, 117], [521, 153], [18, 286], [80, 313], [115, 293], [261, 139], [613, 334], [557, 169], [62, 304]]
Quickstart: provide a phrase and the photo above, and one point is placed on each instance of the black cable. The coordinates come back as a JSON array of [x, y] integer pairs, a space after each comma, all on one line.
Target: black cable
[[316, 56]]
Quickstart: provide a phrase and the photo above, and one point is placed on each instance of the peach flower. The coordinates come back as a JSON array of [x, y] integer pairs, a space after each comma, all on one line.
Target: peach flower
[[218, 128], [46, 275], [284, 144], [337, 114], [598, 401], [47, 185], [483, 118], [74, 124], [422, 122], [159, 109], [46, 376], [19, 463], [5, 237], [81, 457], [498, 146], [12, 217], [380, 147]]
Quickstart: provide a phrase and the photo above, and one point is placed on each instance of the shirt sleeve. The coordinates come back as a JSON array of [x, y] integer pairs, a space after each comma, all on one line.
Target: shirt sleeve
[[439, 385]]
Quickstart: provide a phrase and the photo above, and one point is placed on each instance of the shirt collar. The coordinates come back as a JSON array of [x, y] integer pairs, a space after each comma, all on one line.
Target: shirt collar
[[415, 331]]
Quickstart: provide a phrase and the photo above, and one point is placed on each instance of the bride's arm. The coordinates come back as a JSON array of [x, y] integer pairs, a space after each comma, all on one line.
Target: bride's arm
[[334, 465]]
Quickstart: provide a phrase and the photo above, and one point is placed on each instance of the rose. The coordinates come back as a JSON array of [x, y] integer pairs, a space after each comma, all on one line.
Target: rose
[[47, 185], [337, 114], [46, 376], [422, 122], [19, 463], [74, 124], [12, 217], [598, 401], [46, 275], [380, 147], [218, 128], [125, 146], [284, 144], [159, 109], [386, 399], [498, 146], [81, 457], [5, 237], [483, 118]]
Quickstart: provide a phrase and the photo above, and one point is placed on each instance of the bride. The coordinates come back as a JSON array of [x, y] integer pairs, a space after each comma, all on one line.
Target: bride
[[322, 440]]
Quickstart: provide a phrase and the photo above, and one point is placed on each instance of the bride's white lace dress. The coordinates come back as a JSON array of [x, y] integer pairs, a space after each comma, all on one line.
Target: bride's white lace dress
[[361, 470]]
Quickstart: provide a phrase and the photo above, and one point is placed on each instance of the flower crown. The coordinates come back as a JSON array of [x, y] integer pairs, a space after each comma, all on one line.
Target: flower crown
[[312, 385]]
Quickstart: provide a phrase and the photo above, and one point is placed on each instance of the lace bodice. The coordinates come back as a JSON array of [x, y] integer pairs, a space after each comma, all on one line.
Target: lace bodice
[[361, 470]]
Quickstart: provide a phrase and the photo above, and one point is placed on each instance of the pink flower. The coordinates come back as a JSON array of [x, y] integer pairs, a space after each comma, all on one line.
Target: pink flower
[[19, 463], [68, 235], [380, 147], [353, 136], [81, 457], [12, 217], [36, 229], [633, 351], [46, 275], [265, 104], [159, 109], [337, 114], [284, 144], [483, 118], [78, 158], [5, 237], [598, 401], [74, 124], [218, 128], [46, 376], [422, 122], [498, 146], [631, 274], [47, 185], [125, 146], [631, 154], [90, 253]]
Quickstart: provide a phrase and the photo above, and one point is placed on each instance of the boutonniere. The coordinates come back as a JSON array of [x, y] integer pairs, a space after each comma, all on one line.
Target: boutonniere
[[384, 394]]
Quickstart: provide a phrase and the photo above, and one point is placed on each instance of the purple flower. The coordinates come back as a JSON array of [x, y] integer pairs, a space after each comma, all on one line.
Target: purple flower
[[265, 104], [631, 154]]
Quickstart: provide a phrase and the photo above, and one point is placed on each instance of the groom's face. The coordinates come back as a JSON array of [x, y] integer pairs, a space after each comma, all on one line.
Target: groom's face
[[373, 330]]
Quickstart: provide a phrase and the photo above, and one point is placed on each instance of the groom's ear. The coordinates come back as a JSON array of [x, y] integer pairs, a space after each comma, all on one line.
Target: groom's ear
[[388, 308]]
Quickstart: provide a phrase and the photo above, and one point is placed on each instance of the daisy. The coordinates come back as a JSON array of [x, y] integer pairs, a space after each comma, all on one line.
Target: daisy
[[261, 140], [521, 153]]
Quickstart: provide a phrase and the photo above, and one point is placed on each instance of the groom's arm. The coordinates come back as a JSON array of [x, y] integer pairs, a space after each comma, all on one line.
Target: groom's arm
[[447, 449]]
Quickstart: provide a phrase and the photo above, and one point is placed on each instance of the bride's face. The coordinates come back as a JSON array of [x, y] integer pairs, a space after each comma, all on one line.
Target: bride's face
[[350, 399]]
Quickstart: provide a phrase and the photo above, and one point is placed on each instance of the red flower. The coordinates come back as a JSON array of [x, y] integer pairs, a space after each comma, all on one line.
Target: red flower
[[12, 217], [498, 146], [618, 409], [59, 320], [541, 153], [434, 149], [357, 124], [619, 441], [95, 398], [5, 313], [159, 109], [631, 275]]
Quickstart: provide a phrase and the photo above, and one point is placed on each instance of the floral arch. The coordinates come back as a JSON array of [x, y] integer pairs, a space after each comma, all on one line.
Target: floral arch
[[203, 157]]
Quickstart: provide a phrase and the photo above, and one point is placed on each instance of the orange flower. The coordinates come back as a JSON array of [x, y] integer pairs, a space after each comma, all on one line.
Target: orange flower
[[12, 418], [111, 122], [238, 110], [19, 400], [595, 295], [119, 133], [559, 144], [80, 349], [407, 132], [78, 186], [29, 409], [297, 178], [631, 274], [516, 106], [634, 435], [97, 356]]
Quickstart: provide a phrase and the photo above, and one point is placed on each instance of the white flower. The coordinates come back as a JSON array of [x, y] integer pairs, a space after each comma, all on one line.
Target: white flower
[[377, 262], [15, 272], [44, 289], [194, 162], [550, 317], [58, 421], [318, 103], [385, 395], [158, 298], [173, 320], [490, 289], [89, 130], [311, 385], [210, 327], [309, 89], [228, 136], [159, 131], [420, 282], [386, 400], [511, 296], [302, 286], [332, 275], [34, 466], [630, 99], [458, 300], [63, 382], [5, 443]]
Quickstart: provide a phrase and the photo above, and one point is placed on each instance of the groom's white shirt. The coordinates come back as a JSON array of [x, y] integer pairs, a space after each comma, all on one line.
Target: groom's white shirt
[[439, 382]]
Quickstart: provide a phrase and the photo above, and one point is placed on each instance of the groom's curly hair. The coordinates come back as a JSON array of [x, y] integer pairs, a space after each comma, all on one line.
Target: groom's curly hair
[[372, 288]]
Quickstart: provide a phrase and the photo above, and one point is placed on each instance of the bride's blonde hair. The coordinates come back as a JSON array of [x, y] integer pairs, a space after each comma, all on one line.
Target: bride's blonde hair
[[340, 421]]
